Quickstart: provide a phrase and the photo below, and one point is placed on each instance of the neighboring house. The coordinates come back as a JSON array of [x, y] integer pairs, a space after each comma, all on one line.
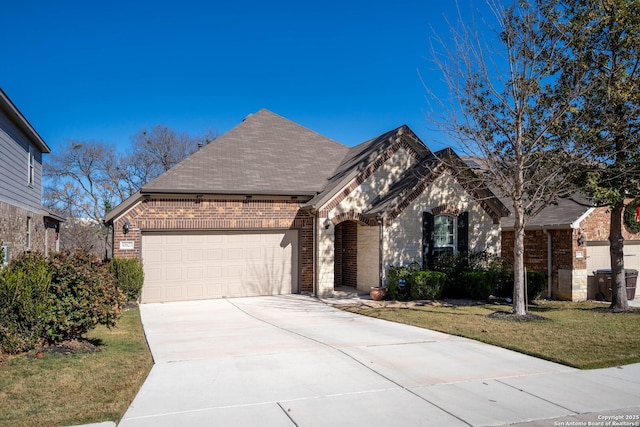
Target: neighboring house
[[569, 242], [24, 224], [273, 208]]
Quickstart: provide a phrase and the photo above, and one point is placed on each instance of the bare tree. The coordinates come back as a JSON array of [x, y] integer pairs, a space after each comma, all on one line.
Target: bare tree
[[504, 106], [156, 150], [78, 181], [84, 180]]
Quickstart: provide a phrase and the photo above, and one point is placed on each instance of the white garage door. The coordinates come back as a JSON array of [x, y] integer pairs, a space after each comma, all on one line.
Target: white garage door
[[181, 266], [598, 255]]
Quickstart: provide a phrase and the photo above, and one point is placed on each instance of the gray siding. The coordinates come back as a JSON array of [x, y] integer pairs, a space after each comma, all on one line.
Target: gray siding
[[14, 155]]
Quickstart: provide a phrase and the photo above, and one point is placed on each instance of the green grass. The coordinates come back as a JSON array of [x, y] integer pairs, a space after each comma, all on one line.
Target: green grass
[[582, 335], [77, 388]]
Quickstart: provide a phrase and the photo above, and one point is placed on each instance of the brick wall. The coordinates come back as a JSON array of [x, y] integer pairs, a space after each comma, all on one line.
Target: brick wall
[[13, 231], [564, 244], [596, 227], [566, 248], [193, 214]]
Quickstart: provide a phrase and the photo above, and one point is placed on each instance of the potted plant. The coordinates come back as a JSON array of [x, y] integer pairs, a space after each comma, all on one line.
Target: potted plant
[[377, 293]]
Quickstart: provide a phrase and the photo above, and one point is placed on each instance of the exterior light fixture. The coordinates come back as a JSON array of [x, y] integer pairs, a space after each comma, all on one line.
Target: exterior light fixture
[[327, 223], [126, 226]]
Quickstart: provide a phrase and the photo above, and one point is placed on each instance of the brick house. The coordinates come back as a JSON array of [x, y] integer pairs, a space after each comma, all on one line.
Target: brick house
[[570, 241], [24, 224], [271, 207]]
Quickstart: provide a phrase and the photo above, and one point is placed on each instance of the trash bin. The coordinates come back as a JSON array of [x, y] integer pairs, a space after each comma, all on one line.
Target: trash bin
[[603, 277], [631, 277]]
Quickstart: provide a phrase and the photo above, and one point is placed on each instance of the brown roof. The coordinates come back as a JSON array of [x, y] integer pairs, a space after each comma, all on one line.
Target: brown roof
[[265, 154]]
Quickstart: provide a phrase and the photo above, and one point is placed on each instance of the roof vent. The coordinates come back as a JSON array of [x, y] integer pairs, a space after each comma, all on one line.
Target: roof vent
[[251, 114]]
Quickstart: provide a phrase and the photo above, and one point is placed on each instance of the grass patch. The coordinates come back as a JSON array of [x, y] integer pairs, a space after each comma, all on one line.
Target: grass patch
[[77, 388], [582, 335]]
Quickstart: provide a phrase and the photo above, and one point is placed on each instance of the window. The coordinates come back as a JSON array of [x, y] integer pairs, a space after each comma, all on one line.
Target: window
[[444, 235], [28, 240], [31, 167]]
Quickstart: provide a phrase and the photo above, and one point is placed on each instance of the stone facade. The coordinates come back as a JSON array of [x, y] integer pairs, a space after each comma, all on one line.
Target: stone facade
[[402, 233], [202, 214]]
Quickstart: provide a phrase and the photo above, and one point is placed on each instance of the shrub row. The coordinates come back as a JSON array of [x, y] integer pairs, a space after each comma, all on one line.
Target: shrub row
[[474, 276], [61, 297]]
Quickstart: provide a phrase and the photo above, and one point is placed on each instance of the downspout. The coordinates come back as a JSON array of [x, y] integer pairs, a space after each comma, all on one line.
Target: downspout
[[380, 221], [314, 289], [549, 263]]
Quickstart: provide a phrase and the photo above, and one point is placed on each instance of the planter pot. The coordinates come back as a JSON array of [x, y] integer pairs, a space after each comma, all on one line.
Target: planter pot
[[377, 293]]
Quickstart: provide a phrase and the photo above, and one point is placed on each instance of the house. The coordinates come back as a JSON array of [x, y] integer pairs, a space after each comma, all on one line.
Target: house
[[569, 242], [274, 208], [24, 224]]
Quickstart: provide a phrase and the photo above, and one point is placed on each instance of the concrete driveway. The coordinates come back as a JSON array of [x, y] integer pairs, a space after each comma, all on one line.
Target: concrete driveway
[[295, 361]]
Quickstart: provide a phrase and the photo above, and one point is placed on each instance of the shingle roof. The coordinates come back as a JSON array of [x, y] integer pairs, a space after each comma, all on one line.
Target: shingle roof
[[563, 214], [265, 154]]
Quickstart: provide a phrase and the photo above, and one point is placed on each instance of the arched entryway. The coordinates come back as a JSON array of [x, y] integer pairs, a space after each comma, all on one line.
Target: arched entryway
[[346, 254]]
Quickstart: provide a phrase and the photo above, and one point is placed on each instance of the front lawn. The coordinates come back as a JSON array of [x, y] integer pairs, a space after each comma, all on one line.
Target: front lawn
[[582, 335], [53, 388]]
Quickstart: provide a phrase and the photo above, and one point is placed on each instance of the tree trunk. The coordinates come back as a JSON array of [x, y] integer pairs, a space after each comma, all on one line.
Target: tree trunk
[[616, 244], [519, 307]]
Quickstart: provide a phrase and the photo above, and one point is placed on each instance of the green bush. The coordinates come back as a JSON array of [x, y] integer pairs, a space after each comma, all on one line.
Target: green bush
[[426, 284], [536, 285], [452, 266], [457, 268], [82, 295], [394, 290], [24, 286], [479, 284], [129, 276]]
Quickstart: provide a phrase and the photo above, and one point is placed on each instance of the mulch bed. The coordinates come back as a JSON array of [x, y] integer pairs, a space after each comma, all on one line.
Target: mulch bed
[[68, 347], [507, 315]]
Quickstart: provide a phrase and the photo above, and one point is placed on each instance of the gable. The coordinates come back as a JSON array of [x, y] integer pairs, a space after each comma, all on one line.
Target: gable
[[365, 189], [16, 143], [422, 174], [365, 160]]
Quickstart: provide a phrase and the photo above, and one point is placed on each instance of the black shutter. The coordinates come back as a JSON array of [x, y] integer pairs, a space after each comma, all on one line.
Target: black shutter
[[427, 238], [463, 233]]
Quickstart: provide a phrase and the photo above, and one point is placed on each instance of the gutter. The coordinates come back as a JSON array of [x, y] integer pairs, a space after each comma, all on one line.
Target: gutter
[[238, 192], [541, 227]]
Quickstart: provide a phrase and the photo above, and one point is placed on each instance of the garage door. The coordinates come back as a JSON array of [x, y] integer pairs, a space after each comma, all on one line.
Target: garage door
[[181, 266], [598, 255]]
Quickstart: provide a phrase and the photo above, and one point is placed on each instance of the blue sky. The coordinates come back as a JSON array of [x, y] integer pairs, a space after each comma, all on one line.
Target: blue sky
[[350, 70]]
